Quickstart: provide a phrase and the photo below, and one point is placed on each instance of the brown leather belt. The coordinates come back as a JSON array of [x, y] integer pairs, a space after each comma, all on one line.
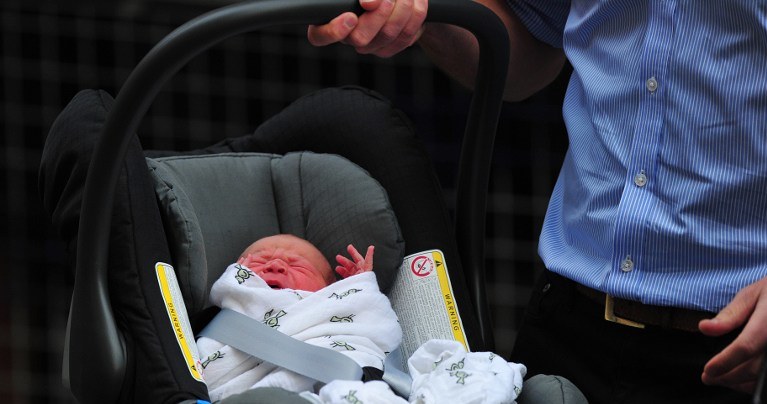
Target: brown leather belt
[[636, 314]]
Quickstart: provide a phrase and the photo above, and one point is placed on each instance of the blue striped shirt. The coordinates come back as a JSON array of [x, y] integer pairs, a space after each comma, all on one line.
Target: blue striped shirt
[[662, 197]]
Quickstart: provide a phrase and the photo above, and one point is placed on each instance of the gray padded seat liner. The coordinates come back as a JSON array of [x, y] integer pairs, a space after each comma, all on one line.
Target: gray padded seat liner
[[214, 206], [550, 389]]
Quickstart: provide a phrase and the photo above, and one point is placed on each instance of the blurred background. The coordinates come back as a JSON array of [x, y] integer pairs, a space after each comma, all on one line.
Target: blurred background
[[49, 50]]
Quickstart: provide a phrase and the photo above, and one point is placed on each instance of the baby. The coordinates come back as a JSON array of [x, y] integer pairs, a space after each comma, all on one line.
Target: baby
[[286, 283], [285, 261]]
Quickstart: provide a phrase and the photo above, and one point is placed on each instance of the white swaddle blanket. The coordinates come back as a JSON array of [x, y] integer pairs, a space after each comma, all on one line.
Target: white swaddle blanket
[[442, 372], [351, 316]]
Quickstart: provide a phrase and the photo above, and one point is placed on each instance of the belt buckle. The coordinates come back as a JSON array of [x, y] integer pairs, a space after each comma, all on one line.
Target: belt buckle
[[611, 317]]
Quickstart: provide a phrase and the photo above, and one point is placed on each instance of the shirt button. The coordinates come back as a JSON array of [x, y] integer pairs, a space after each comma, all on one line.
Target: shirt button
[[652, 84], [640, 179], [627, 265]]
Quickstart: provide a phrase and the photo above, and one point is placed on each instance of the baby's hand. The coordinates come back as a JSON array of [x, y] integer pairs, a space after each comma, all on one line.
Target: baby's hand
[[347, 267]]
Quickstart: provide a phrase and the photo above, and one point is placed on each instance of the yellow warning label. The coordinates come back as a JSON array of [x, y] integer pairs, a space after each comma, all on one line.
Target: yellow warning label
[[174, 303], [447, 295], [423, 298]]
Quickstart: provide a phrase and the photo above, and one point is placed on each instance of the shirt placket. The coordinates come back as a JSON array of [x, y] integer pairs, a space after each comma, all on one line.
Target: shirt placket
[[637, 198]]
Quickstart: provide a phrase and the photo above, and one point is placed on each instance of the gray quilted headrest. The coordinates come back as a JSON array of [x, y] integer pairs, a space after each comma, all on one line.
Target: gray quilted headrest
[[214, 206]]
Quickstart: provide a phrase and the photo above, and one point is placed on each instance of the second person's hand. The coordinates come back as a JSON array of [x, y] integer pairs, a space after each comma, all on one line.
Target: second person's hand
[[385, 28]]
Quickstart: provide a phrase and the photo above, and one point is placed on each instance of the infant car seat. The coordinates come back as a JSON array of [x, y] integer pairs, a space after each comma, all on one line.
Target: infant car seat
[[198, 209], [123, 337]]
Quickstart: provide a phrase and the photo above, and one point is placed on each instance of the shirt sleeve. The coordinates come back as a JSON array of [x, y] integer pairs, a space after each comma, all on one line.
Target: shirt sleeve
[[545, 19]]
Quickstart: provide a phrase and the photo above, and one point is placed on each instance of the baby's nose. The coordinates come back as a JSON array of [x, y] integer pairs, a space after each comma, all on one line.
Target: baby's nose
[[275, 267]]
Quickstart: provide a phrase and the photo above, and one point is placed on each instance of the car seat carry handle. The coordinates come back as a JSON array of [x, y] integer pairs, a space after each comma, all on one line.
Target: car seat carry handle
[[258, 339], [100, 377]]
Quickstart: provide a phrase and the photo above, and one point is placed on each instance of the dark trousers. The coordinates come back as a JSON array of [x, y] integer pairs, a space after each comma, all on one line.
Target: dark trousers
[[564, 333]]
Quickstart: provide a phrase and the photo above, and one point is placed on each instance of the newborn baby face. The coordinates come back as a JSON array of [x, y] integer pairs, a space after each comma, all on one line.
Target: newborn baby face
[[285, 261]]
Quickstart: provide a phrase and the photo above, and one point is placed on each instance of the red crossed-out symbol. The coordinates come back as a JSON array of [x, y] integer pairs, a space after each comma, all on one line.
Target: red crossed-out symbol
[[422, 266]]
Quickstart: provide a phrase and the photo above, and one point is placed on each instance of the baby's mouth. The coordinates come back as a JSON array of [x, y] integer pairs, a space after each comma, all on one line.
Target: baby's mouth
[[273, 282]]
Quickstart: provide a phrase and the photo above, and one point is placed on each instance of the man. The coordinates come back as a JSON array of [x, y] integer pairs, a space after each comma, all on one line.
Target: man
[[658, 217]]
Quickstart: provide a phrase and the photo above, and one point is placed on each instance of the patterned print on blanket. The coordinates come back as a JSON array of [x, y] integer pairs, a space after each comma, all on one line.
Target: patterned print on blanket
[[344, 345], [344, 319], [351, 397], [242, 273], [211, 358], [455, 371], [273, 320], [344, 294]]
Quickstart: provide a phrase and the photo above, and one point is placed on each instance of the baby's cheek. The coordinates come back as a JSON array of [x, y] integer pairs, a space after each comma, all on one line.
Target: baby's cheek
[[309, 283]]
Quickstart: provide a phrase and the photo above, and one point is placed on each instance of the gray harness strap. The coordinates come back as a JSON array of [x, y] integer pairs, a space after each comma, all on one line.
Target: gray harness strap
[[255, 338], [394, 376]]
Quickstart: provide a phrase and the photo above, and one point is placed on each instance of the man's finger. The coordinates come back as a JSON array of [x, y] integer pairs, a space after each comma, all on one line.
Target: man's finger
[[390, 31], [735, 314], [749, 344], [335, 31], [741, 378], [402, 43], [370, 23], [370, 5], [401, 31]]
